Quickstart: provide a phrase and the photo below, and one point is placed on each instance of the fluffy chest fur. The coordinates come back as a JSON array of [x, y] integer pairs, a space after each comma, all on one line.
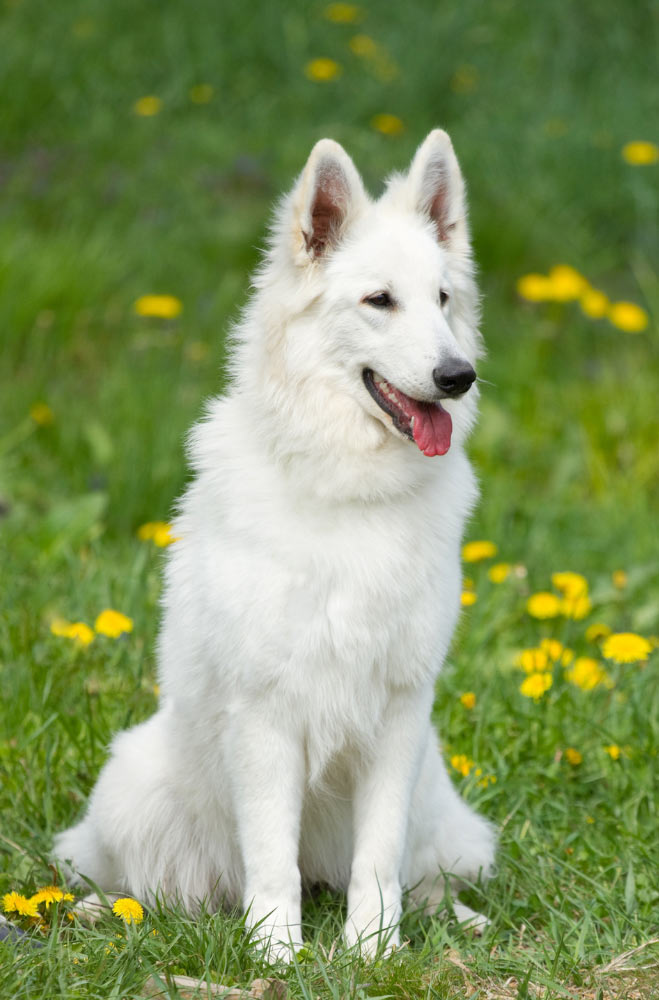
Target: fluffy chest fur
[[322, 609]]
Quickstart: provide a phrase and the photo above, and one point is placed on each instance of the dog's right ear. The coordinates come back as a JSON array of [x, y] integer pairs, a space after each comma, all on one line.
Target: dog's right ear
[[328, 194]]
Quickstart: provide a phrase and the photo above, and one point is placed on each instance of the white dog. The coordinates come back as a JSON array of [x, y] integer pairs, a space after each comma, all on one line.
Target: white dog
[[313, 593]]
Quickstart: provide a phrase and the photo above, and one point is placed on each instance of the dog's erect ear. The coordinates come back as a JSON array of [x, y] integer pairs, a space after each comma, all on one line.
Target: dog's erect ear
[[436, 184], [328, 193]]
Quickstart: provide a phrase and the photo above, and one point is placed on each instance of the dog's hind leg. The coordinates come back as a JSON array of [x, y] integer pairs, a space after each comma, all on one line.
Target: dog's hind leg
[[446, 840], [142, 832], [83, 857]]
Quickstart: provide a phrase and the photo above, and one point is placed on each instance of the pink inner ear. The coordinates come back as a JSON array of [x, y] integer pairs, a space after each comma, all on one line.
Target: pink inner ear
[[325, 219], [439, 212], [327, 211]]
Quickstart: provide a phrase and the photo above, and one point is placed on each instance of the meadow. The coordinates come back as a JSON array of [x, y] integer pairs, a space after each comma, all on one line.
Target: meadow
[[141, 148]]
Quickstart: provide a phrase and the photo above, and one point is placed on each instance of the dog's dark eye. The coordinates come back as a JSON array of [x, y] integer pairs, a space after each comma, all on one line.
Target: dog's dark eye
[[382, 300], [443, 298]]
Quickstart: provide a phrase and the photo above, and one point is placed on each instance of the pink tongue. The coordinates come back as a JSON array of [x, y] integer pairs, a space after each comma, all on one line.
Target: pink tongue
[[431, 428]]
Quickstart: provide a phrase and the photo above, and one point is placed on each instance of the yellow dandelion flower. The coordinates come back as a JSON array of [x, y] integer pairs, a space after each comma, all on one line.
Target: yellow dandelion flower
[[160, 306], [576, 607], [201, 93], [42, 414], [566, 283], [146, 531], [532, 661], [323, 70], [619, 578], [163, 536], [535, 685], [543, 605], [363, 46], [488, 779], [467, 583], [462, 763], [49, 894], [113, 623], [467, 598], [594, 303], [387, 124], [128, 909], [81, 633], [148, 106], [626, 647], [640, 153], [468, 699], [464, 80], [78, 631], [586, 673], [556, 651], [570, 584], [343, 13], [158, 532], [476, 551], [613, 751], [13, 902], [553, 648], [573, 756], [499, 572], [628, 316], [534, 287], [597, 632]]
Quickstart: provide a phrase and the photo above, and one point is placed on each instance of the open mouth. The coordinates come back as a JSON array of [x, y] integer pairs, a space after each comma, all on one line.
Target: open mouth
[[427, 424]]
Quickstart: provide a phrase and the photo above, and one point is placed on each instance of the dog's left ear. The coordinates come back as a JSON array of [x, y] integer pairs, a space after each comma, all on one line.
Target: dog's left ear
[[436, 184], [328, 193]]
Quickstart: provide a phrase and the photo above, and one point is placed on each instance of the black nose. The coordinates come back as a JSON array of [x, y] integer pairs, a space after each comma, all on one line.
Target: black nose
[[454, 377]]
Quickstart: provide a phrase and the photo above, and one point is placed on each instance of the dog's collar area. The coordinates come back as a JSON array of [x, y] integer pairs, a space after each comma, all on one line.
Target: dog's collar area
[[427, 424]]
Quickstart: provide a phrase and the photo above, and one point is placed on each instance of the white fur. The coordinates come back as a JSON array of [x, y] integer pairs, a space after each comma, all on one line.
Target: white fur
[[314, 591]]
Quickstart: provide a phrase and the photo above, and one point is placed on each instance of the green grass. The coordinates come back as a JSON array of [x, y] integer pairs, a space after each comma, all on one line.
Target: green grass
[[101, 206]]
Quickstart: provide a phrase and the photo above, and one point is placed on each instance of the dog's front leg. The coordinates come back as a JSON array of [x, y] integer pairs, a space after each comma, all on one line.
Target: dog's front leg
[[383, 790], [268, 781]]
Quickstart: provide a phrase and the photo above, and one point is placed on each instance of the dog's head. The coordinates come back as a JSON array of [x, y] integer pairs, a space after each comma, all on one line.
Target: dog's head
[[381, 304]]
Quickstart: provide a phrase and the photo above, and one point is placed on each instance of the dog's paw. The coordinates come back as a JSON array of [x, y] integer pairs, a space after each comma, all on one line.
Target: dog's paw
[[371, 944], [277, 940], [470, 919], [275, 946]]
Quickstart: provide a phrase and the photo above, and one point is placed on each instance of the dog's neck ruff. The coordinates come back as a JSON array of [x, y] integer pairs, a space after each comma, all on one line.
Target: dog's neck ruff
[[427, 424]]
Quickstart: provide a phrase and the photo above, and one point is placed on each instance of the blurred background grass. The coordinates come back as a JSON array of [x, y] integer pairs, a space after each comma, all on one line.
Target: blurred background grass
[[102, 204]]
